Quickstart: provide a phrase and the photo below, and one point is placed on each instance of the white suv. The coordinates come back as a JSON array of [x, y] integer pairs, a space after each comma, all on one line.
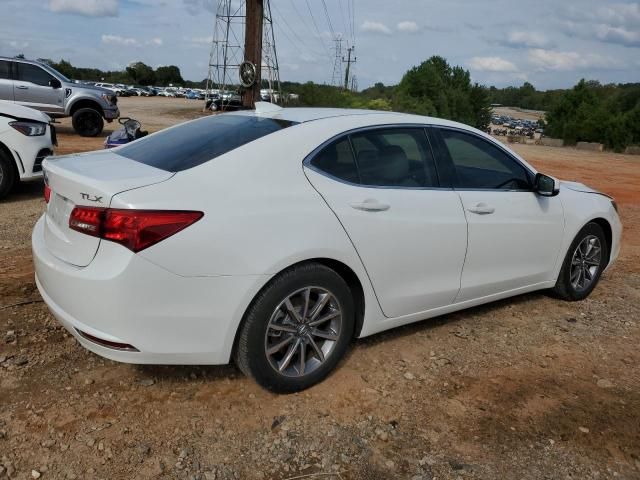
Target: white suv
[[26, 138]]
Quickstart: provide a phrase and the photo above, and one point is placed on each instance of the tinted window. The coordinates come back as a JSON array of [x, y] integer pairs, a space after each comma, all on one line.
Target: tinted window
[[479, 164], [398, 157], [4, 69], [193, 143], [33, 74], [337, 160]]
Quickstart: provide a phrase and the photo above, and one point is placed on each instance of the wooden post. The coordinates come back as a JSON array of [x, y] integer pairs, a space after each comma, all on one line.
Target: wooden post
[[253, 48]]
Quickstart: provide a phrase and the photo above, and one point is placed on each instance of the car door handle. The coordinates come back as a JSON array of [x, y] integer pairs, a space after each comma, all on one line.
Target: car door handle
[[481, 209], [22, 87], [370, 205]]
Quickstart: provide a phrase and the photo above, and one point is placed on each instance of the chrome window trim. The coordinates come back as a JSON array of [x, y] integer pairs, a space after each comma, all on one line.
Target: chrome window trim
[[306, 162]]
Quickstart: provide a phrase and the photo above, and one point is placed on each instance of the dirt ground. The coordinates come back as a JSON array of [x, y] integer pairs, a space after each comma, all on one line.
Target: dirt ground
[[528, 388]]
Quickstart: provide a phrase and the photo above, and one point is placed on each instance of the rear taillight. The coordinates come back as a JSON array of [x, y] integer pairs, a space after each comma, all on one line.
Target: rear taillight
[[47, 193], [135, 229]]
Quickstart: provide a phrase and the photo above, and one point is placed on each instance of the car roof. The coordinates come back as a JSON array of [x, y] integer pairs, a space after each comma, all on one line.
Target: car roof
[[309, 114]]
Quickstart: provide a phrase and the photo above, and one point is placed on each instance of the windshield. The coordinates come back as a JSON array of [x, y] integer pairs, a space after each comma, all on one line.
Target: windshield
[[194, 143], [55, 72]]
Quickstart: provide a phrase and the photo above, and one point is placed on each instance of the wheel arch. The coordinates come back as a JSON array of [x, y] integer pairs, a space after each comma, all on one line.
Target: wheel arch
[[346, 273], [14, 162], [86, 103], [608, 233]]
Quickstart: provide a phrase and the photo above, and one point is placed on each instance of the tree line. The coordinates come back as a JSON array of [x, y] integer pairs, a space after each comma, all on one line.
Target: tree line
[[590, 111], [137, 73]]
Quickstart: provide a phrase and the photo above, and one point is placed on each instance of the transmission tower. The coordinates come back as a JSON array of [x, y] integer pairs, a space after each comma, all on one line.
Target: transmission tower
[[336, 78], [227, 49]]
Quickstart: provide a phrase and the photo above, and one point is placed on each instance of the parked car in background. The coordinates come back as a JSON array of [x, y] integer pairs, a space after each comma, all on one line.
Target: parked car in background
[[277, 236], [26, 138], [36, 85], [224, 100]]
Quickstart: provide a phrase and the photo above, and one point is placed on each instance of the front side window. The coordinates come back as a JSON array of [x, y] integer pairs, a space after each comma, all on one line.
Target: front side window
[[194, 143], [480, 165], [4, 70], [394, 157], [33, 74]]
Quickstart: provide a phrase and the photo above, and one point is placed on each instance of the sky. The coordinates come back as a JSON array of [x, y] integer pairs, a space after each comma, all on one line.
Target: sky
[[550, 43]]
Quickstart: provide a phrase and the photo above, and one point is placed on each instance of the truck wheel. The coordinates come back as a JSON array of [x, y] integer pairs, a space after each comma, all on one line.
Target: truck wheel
[[87, 122], [7, 174]]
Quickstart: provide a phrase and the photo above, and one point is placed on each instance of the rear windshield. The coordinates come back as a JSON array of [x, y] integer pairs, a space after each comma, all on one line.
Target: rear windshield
[[194, 143]]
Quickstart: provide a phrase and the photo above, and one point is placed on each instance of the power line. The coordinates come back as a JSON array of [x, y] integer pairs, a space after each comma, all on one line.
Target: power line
[[345, 20], [313, 19], [299, 39], [326, 13]]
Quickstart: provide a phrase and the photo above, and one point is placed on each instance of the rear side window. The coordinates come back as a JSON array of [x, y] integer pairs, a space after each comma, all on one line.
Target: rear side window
[[337, 160], [4, 70], [397, 157], [33, 74], [194, 143]]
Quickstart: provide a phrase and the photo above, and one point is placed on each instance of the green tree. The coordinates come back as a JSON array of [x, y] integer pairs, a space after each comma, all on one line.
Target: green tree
[[436, 88], [169, 74], [141, 74]]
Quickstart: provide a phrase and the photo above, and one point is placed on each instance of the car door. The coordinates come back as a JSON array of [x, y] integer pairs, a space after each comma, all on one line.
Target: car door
[[411, 235], [32, 88], [514, 233], [6, 81]]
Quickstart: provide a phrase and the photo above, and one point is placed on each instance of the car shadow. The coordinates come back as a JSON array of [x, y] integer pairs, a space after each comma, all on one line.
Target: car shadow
[[421, 326], [25, 191]]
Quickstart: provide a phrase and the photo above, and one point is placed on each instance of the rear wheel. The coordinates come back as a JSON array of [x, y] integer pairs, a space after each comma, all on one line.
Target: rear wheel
[[583, 264], [7, 174], [87, 122], [297, 329]]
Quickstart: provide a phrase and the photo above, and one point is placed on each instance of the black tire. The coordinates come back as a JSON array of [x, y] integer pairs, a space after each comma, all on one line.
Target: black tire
[[252, 342], [7, 174], [565, 289], [87, 122], [214, 107]]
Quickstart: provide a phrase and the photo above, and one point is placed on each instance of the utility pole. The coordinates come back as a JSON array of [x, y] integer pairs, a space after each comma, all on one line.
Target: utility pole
[[348, 61], [253, 49]]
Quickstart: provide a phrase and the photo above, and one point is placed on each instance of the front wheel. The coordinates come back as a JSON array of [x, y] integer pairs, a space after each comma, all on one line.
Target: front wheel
[[297, 329], [583, 265], [87, 122], [7, 174]]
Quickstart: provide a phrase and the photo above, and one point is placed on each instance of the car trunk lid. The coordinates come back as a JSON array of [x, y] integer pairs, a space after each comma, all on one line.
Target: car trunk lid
[[89, 179]]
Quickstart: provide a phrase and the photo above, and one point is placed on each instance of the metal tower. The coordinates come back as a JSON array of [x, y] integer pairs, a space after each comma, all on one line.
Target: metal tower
[[227, 49], [336, 78]]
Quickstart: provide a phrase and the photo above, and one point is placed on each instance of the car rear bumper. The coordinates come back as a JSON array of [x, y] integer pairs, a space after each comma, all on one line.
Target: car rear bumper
[[122, 298]]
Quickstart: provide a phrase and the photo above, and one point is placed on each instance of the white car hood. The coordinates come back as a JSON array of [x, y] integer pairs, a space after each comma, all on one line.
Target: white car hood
[[580, 187], [10, 109]]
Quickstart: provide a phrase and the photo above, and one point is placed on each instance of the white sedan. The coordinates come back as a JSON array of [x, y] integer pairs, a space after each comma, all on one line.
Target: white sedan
[[26, 138], [276, 237]]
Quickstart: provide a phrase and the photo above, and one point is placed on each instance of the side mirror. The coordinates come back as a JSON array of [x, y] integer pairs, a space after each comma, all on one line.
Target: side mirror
[[546, 186], [55, 83]]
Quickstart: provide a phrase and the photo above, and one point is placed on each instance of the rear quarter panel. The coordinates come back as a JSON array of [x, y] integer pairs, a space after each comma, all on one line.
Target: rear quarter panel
[[261, 213]]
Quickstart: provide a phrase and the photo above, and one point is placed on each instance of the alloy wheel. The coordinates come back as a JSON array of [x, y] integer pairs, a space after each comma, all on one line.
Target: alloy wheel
[[303, 331], [585, 263]]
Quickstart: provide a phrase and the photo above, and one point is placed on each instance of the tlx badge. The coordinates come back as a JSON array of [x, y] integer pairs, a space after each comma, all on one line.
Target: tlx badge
[[91, 198]]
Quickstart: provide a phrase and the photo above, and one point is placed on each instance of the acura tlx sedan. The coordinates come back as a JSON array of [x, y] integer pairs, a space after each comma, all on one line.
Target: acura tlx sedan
[[276, 236]]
